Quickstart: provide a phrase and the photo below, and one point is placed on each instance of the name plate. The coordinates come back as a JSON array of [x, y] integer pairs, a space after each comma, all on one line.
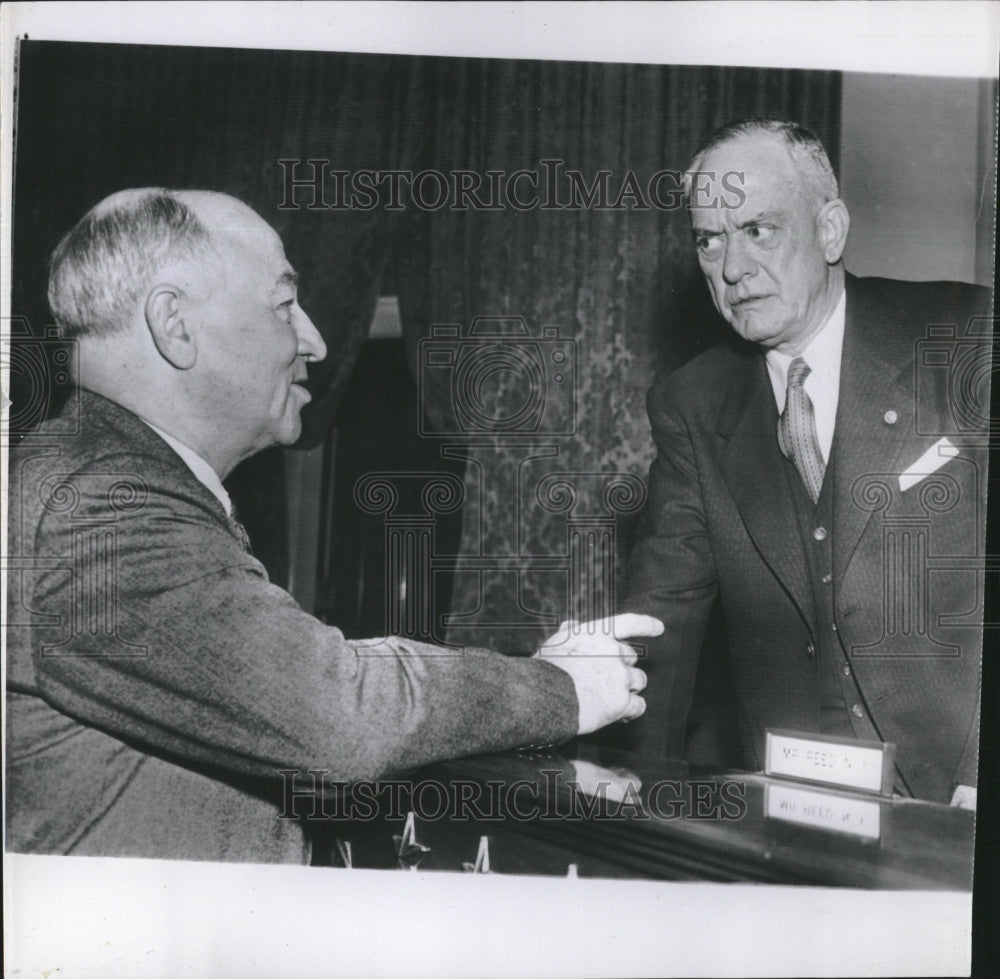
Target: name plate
[[824, 810], [865, 766]]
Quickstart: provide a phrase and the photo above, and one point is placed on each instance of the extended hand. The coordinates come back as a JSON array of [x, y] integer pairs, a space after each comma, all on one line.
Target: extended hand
[[602, 666]]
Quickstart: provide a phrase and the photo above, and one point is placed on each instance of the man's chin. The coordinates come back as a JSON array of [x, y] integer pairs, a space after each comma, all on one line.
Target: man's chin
[[290, 431], [752, 326]]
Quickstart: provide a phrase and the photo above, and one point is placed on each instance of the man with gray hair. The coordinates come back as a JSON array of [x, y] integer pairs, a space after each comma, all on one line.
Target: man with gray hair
[[822, 475], [158, 683]]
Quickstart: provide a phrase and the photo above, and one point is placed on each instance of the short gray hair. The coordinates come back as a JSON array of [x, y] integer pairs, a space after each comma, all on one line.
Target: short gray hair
[[803, 144], [99, 269]]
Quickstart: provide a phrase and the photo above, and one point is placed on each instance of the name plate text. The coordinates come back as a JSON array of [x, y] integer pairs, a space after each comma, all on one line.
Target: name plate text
[[823, 810], [866, 766]]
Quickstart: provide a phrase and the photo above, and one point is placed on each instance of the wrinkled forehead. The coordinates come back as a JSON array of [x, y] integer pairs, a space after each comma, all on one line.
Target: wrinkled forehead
[[742, 179]]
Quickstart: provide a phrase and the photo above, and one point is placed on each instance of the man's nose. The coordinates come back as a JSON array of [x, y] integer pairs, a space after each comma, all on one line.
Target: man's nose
[[738, 261], [311, 345]]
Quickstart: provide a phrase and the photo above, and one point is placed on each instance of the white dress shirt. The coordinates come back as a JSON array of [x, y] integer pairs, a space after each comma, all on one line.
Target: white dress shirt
[[823, 383], [203, 472]]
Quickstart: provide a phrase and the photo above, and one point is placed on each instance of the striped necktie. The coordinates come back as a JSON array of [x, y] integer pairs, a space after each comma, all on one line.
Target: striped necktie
[[797, 431]]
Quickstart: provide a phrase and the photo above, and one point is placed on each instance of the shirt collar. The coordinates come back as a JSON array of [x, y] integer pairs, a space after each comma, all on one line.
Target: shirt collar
[[822, 354], [203, 472]]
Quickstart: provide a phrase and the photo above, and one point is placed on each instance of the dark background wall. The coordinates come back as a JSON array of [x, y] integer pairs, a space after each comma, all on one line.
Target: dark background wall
[[621, 285], [617, 287]]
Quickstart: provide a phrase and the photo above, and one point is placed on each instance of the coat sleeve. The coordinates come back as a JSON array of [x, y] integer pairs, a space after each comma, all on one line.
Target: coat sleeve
[[172, 638], [672, 576]]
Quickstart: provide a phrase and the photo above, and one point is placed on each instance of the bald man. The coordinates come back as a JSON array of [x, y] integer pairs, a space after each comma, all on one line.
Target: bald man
[[158, 683]]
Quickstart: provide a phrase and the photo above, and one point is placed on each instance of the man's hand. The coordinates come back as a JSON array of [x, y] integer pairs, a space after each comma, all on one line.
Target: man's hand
[[602, 666]]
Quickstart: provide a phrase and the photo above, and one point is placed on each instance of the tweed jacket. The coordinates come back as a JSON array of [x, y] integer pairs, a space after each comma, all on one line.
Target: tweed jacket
[[158, 683]]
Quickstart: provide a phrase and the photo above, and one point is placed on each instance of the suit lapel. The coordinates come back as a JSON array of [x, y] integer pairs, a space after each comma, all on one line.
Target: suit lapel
[[123, 426], [875, 420], [753, 469]]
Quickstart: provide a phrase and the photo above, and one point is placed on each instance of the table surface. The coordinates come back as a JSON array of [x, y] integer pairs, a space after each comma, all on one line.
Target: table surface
[[608, 813]]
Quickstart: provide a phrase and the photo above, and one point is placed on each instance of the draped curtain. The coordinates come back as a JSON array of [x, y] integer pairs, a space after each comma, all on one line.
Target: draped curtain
[[615, 292], [548, 517], [97, 118]]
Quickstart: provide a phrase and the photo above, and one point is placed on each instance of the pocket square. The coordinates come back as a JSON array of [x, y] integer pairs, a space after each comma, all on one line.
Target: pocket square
[[931, 461]]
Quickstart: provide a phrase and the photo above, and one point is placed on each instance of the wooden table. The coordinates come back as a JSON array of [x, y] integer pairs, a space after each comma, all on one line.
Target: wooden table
[[548, 813]]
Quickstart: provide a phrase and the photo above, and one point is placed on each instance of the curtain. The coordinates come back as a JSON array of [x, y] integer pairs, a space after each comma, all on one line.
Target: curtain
[[553, 473], [550, 505], [98, 118]]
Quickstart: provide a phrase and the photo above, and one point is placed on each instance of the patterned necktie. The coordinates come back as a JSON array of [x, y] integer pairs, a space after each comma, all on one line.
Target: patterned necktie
[[797, 431]]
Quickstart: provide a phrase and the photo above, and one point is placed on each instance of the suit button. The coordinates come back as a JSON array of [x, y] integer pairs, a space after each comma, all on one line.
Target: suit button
[[810, 651], [819, 533], [833, 625], [845, 670], [828, 579], [890, 417], [857, 711]]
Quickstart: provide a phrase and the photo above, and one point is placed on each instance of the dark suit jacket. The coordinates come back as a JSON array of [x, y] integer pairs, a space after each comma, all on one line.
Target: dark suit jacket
[[158, 682], [907, 565]]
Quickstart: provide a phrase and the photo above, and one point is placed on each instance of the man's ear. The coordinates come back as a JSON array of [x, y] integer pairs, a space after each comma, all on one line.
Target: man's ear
[[833, 222], [168, 327]]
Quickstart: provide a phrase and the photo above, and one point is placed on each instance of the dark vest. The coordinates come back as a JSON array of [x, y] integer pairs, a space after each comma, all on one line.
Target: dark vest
[[842, 709]]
